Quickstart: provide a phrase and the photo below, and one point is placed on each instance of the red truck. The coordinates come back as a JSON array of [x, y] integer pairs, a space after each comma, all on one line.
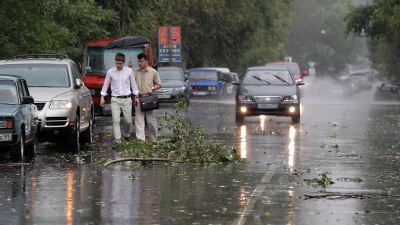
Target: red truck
[[99, 57]]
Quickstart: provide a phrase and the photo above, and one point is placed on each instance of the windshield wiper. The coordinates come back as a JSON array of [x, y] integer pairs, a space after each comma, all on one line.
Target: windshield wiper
[[259, 79], [280, 78]]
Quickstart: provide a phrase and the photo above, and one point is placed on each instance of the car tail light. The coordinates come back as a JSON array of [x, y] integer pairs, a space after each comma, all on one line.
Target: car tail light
[[383, 89]]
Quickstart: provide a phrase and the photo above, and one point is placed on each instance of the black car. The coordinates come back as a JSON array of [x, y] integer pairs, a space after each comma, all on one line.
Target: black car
[[268, 91], [387, 91], [174, 85]]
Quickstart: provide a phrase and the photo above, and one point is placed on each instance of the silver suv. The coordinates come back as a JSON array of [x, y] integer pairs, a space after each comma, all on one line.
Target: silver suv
[[64, 102]]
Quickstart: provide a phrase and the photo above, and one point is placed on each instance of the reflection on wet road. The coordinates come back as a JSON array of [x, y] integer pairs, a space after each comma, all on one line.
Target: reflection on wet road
[[342, 139]]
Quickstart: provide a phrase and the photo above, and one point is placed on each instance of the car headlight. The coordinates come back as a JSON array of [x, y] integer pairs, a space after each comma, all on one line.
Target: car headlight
[[6, 123], [179, 89], [212, 88], [245, 98], [57, 104], [290, 98]]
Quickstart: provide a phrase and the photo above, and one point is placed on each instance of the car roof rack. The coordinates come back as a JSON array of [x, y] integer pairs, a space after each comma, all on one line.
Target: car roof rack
[[36, 56]]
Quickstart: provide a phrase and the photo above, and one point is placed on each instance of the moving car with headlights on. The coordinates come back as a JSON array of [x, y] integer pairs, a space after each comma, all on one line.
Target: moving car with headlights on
[[18, 119], [64, 103], [174, 85], [268, 91]]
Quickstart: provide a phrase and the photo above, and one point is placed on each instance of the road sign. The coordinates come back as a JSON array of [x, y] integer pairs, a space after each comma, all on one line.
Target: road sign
[[169, 44]]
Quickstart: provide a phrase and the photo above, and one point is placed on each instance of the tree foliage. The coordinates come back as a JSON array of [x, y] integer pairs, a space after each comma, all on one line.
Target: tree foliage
[[51, 26], [380, 22], [318, 35], [229, 33]]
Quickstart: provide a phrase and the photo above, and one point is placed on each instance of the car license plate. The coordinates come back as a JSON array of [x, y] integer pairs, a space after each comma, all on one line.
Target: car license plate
[[267, 106], [5, 137], [164, 96]]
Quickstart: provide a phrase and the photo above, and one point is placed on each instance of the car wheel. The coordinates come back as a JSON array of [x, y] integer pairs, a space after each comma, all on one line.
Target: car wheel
[[31, 149], [18, 151], [87, 136], [239, 118], [74, 138]]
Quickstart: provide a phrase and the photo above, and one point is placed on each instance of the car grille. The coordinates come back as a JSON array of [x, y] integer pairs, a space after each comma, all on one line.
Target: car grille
[[164, 91], [40, 105], [199, 88], [269, 99], [56, 121]]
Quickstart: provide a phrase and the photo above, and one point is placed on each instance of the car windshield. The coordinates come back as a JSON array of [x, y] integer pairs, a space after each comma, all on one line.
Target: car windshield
[[268, 77], [39, 75], [100, 60], [170, 75], [293, 67], [203, 75], [8, 92]]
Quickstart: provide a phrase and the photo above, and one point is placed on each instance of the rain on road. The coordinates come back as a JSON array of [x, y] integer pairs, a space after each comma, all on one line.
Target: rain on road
[[348, 139]]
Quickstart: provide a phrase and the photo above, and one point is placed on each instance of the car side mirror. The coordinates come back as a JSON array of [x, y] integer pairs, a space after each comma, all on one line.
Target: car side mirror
[[28, 100], [300, 82], [186, 78], [306, 73], [78, 83]]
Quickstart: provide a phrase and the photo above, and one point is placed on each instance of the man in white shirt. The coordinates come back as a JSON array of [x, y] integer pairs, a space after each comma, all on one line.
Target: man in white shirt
[[122, 80]]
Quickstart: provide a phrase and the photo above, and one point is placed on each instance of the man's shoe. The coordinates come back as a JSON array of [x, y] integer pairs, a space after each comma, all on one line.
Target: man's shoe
[[126, 139]]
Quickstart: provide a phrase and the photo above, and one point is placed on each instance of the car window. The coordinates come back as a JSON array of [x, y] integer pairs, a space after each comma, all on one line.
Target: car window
[[268, 77], [75, 74], [8, 92], [203, 75], [39, 75], [170, 75]]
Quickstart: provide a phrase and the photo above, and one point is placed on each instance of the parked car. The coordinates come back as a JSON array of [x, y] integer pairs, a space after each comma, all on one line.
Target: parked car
[[207, 81], [64, 103], [175, 85], [268, 91], [387, 91], [293, 66], [18, 119], [364, 79]]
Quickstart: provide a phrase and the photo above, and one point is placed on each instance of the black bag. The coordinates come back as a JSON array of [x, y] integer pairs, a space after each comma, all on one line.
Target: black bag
[[148, 102]]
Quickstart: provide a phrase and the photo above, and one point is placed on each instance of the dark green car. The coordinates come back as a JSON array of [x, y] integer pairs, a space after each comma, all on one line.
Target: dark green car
[[18, 119]]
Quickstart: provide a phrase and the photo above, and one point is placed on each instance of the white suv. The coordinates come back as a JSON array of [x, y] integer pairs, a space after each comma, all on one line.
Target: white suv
[[64, 103]]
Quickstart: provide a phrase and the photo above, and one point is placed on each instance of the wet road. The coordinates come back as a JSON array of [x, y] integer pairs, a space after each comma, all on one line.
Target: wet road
[[345, 138]]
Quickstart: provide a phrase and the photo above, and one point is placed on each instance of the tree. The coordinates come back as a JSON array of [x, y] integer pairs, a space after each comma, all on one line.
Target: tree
[[51, 26], [318, 35], [380, 22]]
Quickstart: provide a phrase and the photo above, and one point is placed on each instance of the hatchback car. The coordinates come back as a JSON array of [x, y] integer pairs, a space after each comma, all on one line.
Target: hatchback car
[[64, 103], [174, 85], [18, 119], [268, 91]]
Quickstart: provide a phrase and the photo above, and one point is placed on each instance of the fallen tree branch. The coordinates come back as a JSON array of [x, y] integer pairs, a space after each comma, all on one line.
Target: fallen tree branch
[[135, 159]]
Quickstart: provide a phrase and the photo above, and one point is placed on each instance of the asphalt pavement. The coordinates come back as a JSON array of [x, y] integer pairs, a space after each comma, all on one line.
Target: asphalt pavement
[[340, 165]]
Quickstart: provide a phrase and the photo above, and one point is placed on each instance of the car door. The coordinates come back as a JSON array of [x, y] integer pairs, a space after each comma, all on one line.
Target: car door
[[26, 111]]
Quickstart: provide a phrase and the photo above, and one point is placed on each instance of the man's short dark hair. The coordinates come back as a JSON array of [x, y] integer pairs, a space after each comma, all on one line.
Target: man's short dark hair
[[143, 56], [120, 57]]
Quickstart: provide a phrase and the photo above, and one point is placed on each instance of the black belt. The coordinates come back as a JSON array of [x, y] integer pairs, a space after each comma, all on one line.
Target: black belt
[[125, 96]]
